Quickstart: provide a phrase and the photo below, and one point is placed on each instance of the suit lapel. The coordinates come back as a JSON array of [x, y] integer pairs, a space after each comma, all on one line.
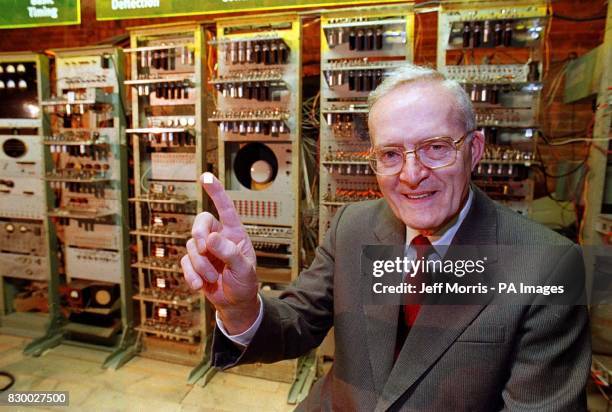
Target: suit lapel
[[381, 320], [438, 326]]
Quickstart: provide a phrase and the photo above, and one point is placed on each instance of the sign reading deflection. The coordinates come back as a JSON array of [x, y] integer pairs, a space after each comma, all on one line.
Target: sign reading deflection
[[129, 9], [37, 13]]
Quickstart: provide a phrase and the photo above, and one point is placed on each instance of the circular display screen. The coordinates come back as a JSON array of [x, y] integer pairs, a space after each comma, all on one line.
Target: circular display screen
[[255, 166], [14, 148]]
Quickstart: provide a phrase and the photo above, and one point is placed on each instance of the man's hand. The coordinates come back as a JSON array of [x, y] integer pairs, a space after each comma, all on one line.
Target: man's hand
[[221, 260]]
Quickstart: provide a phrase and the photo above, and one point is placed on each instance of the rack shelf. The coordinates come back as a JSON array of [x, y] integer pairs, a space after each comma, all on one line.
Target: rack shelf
[[157, 130], [223, 41], [157, 332], [278, 81], [367, 23], [160, 268], [179, 236], [177, 302], [78, 180], [186, 81], [78, 214], [371, 66], [153, 48], [91, 330], [345, 162], [165, 201], [75, 142]]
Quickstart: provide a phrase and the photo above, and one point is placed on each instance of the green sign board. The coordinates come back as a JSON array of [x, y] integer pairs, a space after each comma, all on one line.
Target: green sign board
[[131, 9], [38, 13]]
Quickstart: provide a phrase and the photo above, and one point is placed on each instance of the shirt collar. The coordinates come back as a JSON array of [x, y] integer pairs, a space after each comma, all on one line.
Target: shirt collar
[[444, 236]]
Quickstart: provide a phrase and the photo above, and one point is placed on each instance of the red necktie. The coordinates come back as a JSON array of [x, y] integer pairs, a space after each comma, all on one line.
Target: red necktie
[[423, 247], [410, 311]]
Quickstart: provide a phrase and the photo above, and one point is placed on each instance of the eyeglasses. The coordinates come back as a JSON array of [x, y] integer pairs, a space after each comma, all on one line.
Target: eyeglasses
[[432, 153]]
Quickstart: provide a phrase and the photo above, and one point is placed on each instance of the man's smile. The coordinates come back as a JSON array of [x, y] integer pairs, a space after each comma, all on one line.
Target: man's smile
[[415, 196]]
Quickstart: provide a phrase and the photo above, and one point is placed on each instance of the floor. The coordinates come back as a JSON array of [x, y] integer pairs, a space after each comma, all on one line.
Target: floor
[[145, 384], [140, 385]]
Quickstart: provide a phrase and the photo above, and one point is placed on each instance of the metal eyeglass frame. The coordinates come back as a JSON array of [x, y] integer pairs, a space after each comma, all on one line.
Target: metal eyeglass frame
[[457, 145]]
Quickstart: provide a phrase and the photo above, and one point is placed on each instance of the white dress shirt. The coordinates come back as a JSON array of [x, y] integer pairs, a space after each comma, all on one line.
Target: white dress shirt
[[440, 241], [244, 338]]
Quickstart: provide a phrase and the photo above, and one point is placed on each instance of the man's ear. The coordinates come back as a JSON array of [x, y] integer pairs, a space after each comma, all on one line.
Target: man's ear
[[477, 145]]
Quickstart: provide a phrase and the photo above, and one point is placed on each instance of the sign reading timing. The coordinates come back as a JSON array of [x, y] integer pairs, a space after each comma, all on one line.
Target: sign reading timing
[[38, 13]]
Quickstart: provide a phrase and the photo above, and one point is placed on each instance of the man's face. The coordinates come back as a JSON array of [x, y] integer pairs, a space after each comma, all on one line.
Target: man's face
[[424, 199]]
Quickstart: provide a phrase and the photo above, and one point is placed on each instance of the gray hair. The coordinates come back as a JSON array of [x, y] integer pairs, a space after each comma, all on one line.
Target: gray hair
[[410, 73]]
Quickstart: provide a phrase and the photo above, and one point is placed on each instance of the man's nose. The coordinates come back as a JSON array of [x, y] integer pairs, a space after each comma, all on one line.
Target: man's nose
[[413, 172]]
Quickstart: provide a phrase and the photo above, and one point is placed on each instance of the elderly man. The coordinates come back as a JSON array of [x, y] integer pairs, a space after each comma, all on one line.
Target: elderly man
[[414, 357]]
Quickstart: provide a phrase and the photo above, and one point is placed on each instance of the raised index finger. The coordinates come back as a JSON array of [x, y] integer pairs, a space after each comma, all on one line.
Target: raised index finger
[[225, 207]]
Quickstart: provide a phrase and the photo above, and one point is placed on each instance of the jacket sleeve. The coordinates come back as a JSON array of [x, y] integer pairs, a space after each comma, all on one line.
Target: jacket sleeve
[[294, 323], [552, 358]]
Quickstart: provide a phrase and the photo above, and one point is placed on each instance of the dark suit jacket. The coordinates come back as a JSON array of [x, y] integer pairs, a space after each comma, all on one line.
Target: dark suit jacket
[[485, 357]]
